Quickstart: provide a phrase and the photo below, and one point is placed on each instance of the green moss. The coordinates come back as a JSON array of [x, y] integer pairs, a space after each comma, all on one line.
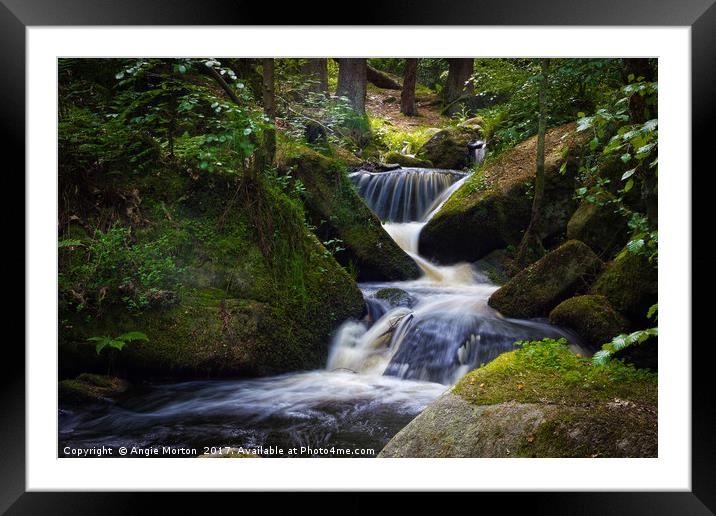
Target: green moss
[[547, 372], [90, 388], [260, 294], [630, 283], [407, 161], [339, 213], [599, 226], [395, 296], [492, 208], [592, 317], [537, 289]]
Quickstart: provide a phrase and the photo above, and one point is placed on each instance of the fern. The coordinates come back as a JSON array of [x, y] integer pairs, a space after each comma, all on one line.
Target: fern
[[624, 340], [117, 342]]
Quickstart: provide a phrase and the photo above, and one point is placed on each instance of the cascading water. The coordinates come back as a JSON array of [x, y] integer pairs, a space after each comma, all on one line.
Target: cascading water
[[405, 352], [448, 329]]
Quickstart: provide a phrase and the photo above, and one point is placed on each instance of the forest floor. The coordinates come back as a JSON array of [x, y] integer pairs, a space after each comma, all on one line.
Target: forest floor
[[386, 104]]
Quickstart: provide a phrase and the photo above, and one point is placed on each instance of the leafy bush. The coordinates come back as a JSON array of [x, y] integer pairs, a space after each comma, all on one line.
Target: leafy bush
[[623, 341], [117, 342], [111, 268]]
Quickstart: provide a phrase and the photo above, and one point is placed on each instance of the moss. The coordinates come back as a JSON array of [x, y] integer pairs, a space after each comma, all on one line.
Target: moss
[[448, 148], [592, 317], [599, 226], [90, 388], [340, 214], [395, 296], [540, 400], [260, 295], [548, 373], [630, 283], [537, 289], [407, 161], [492, 208]]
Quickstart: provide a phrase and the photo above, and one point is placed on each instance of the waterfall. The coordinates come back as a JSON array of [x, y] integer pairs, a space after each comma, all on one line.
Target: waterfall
[[449, 329], [405, 194]]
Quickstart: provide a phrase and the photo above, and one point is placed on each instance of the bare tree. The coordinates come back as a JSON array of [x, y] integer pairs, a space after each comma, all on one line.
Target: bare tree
[[456, 86], [317, 70], [269, 101], [352, 82], [531, 244], [407, 96]]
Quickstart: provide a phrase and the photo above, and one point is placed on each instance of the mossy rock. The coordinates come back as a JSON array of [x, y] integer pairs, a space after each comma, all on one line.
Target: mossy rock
[[537, 289], [540, 401], [90, 388], [339, 213], [350, 160], [599, 226], [630, 283], [259, 294], [448, 148], [407, 161], [395, 297], [592, 317], [492, 208]]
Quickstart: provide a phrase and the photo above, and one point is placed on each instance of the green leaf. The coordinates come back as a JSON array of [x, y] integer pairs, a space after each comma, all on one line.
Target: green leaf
[[626, 157], [133, 335], [635, 245], [120, 75], [182, 69], [563, 168], [653, 310], [601, 357], [628, 186], [628, 174]]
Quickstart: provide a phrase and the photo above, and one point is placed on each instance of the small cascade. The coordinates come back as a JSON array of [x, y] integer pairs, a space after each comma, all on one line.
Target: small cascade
[[405, 194], [449, 329]]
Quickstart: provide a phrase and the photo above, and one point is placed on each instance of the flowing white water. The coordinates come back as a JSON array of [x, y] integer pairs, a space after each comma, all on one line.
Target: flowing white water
[[447, 327], [404, 354]]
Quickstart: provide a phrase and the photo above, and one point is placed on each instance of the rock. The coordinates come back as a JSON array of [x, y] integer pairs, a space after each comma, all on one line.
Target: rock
[[340, 214], [448, 148], [599, 226], [474, 124], [260, 294], [492, 208], [517, 406], [630, 283], [495, 266], [558, 275], [90, 388], [390, 100], [407, 161], [592, 317], [395, 297]]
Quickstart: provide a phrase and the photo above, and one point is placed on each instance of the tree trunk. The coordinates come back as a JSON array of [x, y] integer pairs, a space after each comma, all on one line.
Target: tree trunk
[[632, 71], [352, 82], [531, 246], [407, 96], [317, 70], [380, 80], [269, 101], [459, 72]]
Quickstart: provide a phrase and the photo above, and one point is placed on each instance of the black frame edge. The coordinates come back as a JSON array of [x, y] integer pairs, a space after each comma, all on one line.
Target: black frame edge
[[701, 14]]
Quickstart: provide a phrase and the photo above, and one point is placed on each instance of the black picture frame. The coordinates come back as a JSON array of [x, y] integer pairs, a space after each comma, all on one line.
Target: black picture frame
[[700, 15]]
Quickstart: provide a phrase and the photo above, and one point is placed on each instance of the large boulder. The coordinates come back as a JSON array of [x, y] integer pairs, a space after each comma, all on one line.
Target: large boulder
[[492, 208], [630, 283], [407, 161], [537, 289], [340, 215], [600, 226], [540, 401], [592, 317], [259, 292], [448, 147]]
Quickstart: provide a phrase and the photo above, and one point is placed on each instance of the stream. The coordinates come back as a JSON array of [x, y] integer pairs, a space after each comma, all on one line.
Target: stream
[[381, 371]]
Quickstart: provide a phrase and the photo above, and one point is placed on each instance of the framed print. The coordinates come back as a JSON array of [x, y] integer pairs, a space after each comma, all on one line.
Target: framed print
[[411, 253]]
